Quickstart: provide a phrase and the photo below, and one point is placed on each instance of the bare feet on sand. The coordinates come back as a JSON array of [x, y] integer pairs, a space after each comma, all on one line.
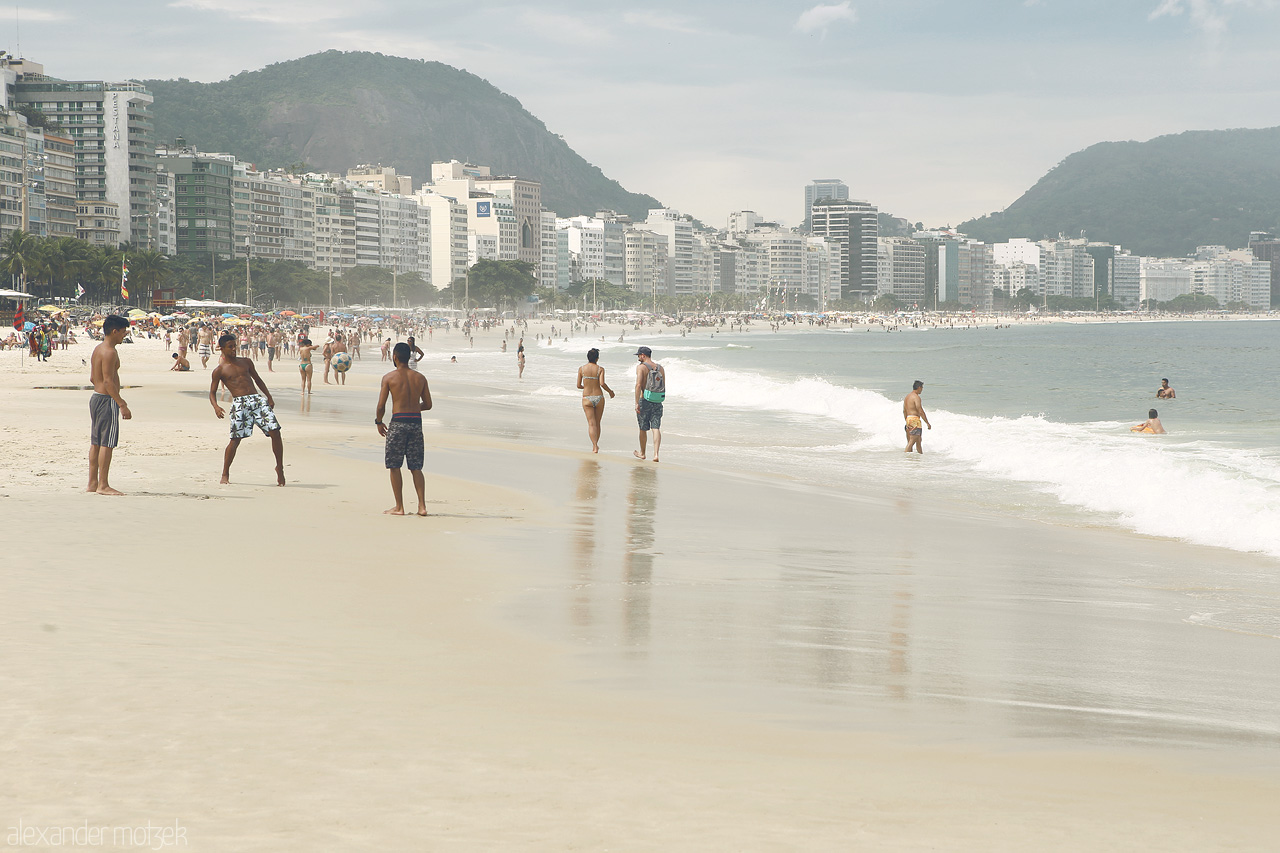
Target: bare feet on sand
[[637, 454], [422, 511], [280, 475], [226, 478], [107, 490], [395, 510]]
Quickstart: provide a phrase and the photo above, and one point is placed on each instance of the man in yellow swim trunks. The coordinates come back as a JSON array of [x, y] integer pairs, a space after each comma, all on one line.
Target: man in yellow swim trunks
[[913, 412]]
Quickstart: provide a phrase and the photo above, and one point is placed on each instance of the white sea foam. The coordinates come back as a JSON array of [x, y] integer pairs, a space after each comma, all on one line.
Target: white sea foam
[[1197, 491]]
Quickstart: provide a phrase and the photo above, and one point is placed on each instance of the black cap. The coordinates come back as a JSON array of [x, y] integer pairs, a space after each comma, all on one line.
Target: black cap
[[644, 351]]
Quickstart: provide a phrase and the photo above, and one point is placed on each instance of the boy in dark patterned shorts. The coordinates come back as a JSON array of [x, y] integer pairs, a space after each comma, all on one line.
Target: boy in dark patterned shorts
[[248, 407], [410, 397]]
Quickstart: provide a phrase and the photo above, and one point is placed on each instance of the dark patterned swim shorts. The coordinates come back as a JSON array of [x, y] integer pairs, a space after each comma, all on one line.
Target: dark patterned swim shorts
[[650, 415], [404, 443]]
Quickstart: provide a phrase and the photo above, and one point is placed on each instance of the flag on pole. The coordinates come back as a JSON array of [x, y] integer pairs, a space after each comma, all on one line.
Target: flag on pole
[[79, 291], [124, 279], [19, 319]]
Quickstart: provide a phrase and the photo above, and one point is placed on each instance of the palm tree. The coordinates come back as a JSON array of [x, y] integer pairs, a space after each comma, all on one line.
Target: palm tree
[[147, 268], [15, 255]]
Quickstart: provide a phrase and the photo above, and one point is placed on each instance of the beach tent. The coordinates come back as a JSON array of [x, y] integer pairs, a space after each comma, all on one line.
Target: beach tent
[[14, 294]]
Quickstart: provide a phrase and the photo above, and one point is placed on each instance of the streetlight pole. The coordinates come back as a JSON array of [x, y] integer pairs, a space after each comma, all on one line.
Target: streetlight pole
[[248, 280]]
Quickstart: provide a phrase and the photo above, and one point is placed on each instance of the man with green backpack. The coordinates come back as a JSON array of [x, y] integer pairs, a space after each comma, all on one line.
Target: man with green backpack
[[651, 391]]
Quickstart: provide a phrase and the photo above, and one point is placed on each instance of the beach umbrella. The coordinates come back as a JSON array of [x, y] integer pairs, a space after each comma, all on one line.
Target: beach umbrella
[[228, 316], [28, 326], [288, 313], [54, 308]]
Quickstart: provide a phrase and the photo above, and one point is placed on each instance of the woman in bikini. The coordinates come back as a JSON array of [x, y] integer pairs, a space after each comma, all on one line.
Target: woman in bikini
[[305, 348], [591, 381]]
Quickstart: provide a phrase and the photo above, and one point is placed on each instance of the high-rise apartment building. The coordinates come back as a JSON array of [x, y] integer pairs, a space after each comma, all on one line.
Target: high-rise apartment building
[[525, 199], [679, 233], [1266, 247], [853, 226], [110, 124], [60, 183], [901, 270], [828, 188], [202, 210]]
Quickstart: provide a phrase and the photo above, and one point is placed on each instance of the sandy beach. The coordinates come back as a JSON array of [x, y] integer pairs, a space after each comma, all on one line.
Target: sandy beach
[[288, 669]]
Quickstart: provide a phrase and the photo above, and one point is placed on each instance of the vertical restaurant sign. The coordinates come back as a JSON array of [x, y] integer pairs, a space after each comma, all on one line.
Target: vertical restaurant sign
[[115, 119]]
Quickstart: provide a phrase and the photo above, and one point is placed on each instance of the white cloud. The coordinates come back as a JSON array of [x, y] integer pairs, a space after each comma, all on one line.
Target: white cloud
[[565, 29], [24, 14], [1208, 16], [275, 12], [820, 17], [661, 21]]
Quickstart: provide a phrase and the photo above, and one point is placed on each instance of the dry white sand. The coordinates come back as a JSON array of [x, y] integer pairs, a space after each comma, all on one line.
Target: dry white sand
[[287, 669]]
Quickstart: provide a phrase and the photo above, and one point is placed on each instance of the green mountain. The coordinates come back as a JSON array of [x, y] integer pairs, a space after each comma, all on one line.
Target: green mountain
[[335, 110], [1162, 197]]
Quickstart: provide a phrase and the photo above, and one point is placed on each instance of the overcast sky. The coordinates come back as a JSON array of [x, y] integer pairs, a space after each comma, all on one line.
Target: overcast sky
[[936, 111]]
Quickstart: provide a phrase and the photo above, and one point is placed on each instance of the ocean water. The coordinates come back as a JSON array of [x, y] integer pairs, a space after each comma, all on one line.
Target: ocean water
[[1040, 572], [1028, 420]]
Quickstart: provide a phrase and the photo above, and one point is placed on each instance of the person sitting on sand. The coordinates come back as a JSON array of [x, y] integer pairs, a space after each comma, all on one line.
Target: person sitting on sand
[[180, 363], [248, 407], [1150, 426], [1165, 392], [410, 397]]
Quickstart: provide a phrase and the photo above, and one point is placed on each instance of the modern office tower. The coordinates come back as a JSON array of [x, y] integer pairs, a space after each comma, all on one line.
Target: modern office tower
[[98, 222], [525, 199], [448, 237], [1232, 276], [492, 219], [1126, 279], [202, 200], [60, 183], [901, 269], [645, 264], [1266, 247], [855, 227], [380, 178], [115, 153], [939, 266], [820, 189], [550, 262], [1103, 254]]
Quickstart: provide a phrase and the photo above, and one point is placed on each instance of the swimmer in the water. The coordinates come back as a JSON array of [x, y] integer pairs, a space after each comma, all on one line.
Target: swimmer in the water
[[1151, 425], [1164, 392]]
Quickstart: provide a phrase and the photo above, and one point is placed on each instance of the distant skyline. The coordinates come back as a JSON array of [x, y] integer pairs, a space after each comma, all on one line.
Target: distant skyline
[[933, 111]]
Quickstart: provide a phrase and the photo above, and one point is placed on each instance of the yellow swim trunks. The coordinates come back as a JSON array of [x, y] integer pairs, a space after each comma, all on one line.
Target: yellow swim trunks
[[913, 425]]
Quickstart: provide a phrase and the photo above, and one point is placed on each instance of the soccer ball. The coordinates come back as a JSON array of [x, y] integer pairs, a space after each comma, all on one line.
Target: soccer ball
[[342, 362]]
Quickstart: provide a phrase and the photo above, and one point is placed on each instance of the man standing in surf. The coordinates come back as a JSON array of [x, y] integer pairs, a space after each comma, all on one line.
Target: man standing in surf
[[410, 397], [913, 413], [651, 391]]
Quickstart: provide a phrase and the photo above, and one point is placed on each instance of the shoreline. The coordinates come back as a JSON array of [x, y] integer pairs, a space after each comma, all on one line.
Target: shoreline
[[340, 679]]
